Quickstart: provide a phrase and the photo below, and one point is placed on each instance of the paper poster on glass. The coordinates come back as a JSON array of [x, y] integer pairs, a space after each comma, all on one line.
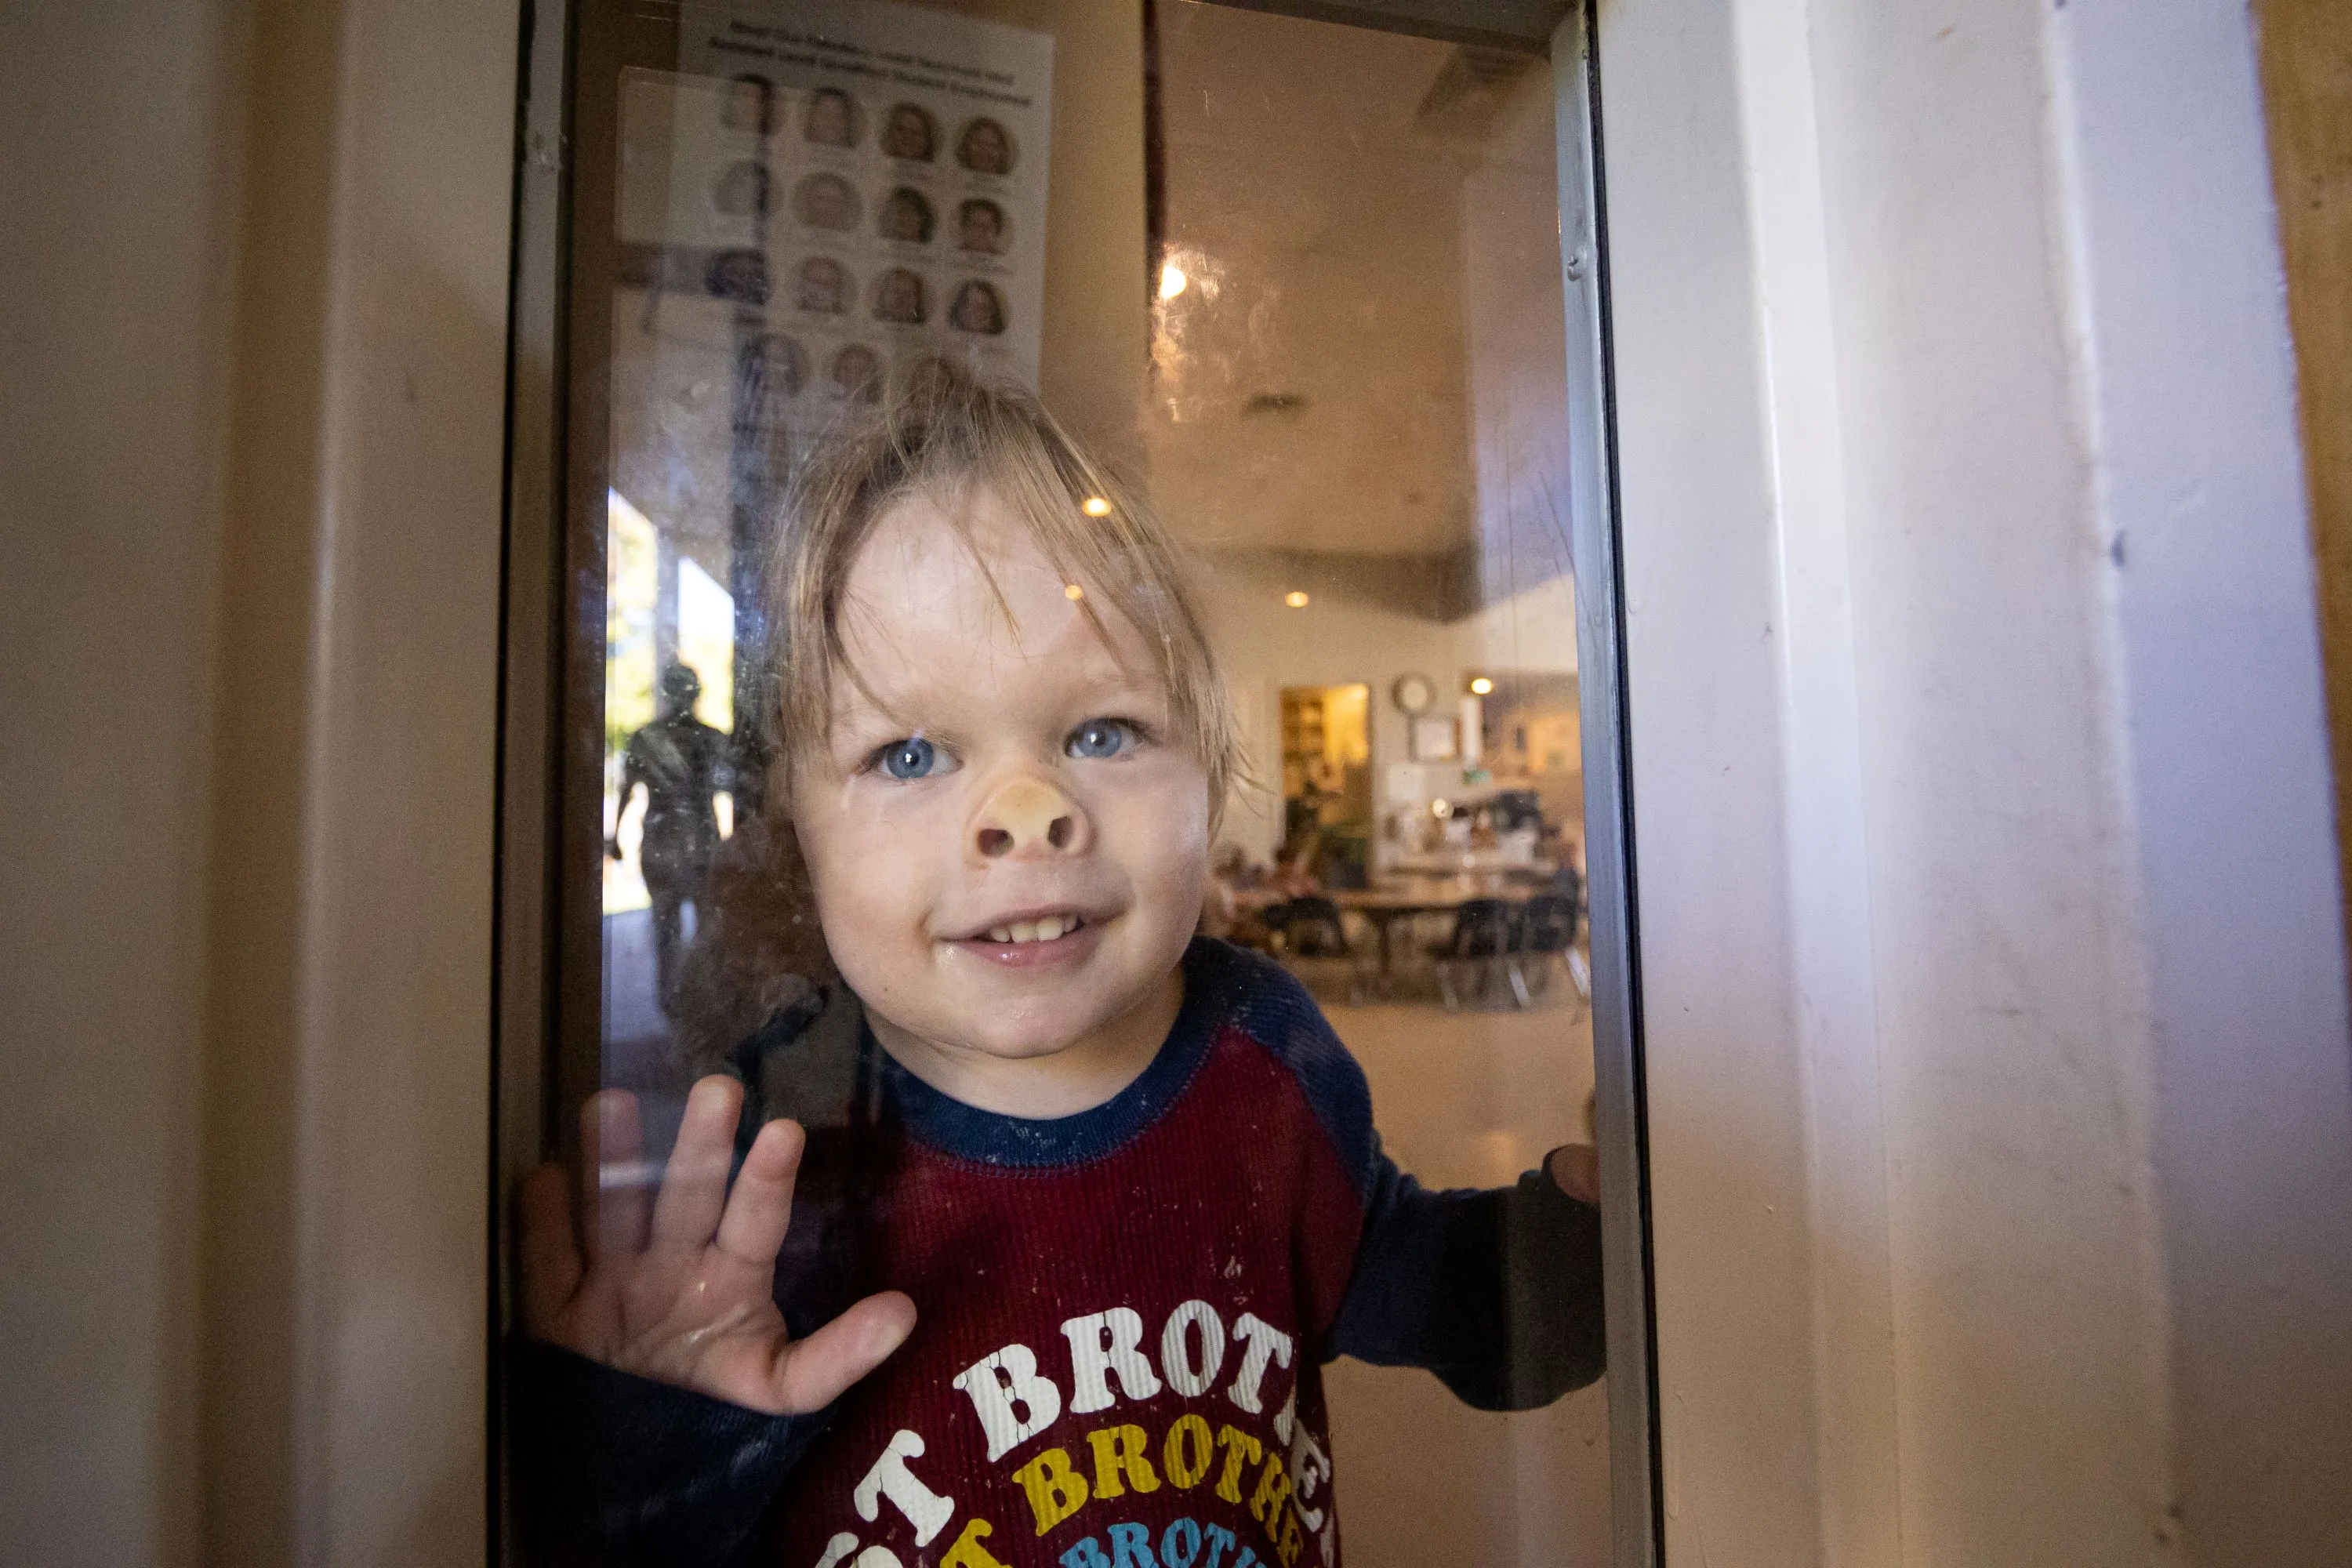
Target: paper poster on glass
[[869, 178]]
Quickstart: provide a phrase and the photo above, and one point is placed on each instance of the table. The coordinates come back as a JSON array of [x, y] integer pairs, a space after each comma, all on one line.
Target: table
[[1384, 906]]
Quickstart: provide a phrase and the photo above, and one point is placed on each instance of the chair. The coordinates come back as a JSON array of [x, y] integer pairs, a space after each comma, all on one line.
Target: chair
[[1548, 932], [1311, 927], [1485, 932]]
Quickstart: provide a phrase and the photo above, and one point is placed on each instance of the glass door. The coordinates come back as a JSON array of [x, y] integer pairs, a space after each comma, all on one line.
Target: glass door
[[1321, 303]]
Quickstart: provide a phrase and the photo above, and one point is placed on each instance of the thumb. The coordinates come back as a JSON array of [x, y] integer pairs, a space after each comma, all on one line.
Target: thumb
[[549, 1255], [1575, 1168], [814, 1371]]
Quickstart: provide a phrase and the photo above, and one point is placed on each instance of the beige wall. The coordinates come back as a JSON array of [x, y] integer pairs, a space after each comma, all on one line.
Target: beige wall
[[251, 449], [119, 178]]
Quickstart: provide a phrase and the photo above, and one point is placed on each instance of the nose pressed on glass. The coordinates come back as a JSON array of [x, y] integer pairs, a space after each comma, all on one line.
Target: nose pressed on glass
[[1025, 817]]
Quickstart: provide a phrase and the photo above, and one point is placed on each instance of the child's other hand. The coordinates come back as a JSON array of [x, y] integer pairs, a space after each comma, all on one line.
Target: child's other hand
[[679, 1284], [1575, 1168]]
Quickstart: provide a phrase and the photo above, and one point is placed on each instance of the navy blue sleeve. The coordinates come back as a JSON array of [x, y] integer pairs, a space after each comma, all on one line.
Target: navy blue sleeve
[[614, 1470], [1497, 1291]]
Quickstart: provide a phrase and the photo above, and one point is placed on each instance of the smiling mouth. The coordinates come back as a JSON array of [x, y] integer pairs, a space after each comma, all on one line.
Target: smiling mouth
[[1047, 928]]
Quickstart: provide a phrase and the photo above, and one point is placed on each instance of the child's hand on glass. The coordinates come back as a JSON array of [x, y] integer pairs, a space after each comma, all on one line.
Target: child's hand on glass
[[679, 1284], [1575, 1168]]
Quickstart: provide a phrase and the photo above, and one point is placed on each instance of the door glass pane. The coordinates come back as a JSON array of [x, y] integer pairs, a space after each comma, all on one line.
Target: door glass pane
[[1358, 418], [1296, 288]]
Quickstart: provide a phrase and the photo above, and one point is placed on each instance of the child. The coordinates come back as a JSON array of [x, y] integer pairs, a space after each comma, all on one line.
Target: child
[[1083, 1202]]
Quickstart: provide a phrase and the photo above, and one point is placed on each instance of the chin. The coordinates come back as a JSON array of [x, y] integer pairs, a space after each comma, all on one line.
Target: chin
[[1024, 1029]]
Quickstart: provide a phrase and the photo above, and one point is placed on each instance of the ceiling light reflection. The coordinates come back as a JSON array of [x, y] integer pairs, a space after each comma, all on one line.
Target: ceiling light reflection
[[1171, 281]]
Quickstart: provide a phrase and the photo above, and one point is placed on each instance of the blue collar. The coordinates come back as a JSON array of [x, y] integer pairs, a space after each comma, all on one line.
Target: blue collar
[[990, 1138]]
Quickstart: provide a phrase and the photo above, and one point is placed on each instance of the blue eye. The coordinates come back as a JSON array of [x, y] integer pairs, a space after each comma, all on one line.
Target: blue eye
[[1099, 738], [915, 758]]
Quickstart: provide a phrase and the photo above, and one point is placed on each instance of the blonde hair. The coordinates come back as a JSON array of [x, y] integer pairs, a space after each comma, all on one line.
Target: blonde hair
[[940, 432]]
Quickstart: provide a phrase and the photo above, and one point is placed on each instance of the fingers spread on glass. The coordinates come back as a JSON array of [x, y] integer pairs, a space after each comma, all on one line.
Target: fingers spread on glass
[[614, 1168], [694, 1184], [821, 1368], [761, 1208]]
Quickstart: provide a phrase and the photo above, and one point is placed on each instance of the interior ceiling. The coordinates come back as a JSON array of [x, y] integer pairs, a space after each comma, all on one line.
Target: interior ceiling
[[1312, 388]]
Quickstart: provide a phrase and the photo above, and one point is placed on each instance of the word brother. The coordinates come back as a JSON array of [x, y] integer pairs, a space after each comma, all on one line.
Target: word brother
[[1228, 1450]]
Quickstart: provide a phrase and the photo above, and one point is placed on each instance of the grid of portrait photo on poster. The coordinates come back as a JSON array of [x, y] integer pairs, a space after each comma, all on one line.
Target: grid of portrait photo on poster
[[862, 190]]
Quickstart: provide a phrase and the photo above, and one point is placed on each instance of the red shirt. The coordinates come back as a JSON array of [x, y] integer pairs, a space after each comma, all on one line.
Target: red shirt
[[1121, 1316]]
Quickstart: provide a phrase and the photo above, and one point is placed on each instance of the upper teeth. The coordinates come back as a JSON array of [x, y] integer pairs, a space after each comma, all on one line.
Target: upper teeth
[[1046, 930]]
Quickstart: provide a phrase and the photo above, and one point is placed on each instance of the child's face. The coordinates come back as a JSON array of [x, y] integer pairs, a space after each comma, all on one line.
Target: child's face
[[992, 785]]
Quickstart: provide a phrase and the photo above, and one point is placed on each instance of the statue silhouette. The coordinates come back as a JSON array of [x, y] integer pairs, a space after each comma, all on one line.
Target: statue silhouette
[[682, 763]]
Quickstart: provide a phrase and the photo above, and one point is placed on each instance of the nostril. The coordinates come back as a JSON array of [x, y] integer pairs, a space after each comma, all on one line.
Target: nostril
[[994, 841], [1058, 834]]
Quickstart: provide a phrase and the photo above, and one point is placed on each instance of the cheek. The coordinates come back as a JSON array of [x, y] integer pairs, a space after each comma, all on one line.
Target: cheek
[[872, 873], [1162, 829]]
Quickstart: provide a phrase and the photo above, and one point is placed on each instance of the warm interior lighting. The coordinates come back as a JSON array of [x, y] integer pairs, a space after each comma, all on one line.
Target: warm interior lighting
[[1072, 591], [1094, 506], [1295, 599], [1171, 281], [1481, 686]]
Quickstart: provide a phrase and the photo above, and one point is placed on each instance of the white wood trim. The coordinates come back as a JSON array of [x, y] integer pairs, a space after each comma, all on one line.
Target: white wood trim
[[2000, 1103]]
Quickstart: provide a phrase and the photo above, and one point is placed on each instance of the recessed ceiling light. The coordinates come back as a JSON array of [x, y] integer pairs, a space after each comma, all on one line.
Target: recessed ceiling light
[[1094, 506], [1295, 599], [1481, 685]]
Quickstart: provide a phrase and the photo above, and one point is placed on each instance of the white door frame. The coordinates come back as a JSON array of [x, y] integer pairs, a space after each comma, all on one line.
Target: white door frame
[[2000, 1100]]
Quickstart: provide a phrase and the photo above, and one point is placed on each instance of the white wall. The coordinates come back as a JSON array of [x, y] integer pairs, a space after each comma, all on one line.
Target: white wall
[[2000, 1099], [1263, 645]]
